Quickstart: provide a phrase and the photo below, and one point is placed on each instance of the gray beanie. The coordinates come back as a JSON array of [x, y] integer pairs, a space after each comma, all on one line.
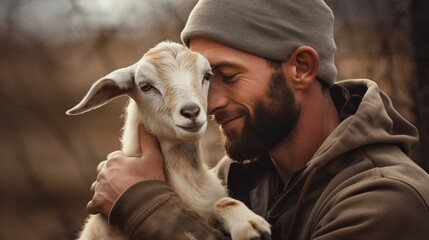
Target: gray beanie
[[271, 29]]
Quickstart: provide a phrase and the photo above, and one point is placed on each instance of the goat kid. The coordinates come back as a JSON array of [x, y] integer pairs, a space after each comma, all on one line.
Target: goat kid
[[168, 94]]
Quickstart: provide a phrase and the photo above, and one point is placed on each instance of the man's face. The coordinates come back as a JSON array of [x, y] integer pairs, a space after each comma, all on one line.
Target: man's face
[[249, 99]]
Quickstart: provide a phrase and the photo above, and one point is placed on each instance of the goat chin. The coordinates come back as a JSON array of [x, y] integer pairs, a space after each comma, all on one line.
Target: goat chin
[[169, 77]]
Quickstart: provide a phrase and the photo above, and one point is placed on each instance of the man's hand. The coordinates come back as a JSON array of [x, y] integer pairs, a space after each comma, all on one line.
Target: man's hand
[[119, 172]]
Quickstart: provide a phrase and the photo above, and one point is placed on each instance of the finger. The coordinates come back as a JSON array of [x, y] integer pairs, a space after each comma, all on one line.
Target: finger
[[101, 166], [114, 154], [93, 185], [90, 207]]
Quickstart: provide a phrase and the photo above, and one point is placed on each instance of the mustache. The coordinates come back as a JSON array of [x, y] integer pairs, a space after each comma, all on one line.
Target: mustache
[[223, 115]]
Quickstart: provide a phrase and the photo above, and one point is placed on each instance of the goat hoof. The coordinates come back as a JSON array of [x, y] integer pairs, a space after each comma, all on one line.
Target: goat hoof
[[263, 236]]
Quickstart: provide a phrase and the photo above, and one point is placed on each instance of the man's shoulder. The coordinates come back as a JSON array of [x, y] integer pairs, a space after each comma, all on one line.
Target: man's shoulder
[[386, 169], [392, 163]]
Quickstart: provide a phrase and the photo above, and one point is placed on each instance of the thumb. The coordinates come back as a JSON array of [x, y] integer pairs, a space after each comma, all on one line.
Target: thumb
[[148, 142], [151, 155]]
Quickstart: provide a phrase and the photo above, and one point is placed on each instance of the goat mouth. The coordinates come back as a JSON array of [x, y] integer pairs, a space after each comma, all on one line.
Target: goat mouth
[[191, 128]]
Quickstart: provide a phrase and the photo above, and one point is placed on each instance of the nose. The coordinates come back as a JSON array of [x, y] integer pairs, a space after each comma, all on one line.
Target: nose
[[216, 97], [190, 111]]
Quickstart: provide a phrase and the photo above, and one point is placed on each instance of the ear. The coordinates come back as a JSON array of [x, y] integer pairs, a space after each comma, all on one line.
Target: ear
[[303, 66], [117, 83]]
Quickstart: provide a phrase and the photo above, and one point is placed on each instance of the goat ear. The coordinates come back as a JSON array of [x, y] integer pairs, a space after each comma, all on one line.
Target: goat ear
[[117, 83]]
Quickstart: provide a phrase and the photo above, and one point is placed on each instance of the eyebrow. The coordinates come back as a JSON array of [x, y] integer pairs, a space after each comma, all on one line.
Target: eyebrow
[[225, 64]]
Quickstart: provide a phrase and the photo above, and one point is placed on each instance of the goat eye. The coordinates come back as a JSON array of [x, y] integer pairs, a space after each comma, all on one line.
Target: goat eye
[[207, 76], [146, 87]]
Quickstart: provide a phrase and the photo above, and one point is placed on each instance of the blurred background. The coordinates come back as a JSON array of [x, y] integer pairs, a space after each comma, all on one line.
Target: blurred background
[[51, 51]]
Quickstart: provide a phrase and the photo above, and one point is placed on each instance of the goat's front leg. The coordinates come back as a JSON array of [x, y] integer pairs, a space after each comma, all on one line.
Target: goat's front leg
[[239, 221]]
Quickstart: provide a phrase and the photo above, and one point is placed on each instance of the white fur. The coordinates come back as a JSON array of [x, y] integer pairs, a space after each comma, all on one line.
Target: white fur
[[177, 76]]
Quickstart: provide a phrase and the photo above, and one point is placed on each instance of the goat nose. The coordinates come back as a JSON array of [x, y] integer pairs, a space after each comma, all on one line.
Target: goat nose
[[190, 111]]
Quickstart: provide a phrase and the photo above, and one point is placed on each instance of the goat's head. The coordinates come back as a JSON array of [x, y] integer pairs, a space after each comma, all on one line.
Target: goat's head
[[169, 85]]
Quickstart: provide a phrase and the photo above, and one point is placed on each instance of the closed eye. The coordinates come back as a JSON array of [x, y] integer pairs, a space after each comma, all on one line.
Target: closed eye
[[229, 78]]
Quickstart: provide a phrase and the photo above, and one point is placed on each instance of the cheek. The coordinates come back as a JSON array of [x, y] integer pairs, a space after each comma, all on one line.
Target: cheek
[[251, 92]]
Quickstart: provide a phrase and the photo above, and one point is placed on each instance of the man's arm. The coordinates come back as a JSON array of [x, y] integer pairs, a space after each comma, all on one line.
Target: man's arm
[[119, 172], [380, 208], [152, 210], [132, 191]]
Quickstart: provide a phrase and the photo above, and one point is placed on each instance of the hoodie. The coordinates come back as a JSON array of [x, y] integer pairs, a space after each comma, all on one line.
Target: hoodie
[[360, 184]]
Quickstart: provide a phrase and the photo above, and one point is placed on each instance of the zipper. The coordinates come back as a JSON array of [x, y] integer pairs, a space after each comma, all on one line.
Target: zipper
[[295, 175]]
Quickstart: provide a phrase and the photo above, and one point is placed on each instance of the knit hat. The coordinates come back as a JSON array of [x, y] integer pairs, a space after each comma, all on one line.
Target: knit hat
[[271, 29]]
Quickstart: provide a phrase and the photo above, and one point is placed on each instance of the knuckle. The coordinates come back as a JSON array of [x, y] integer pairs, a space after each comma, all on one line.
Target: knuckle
[[96, 201], [92, 188], [101, 165], [91, 207], [111, 162], [114, 154], [100, 178]]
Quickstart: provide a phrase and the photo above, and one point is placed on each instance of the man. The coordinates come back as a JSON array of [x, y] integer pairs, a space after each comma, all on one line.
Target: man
[[318, 160]]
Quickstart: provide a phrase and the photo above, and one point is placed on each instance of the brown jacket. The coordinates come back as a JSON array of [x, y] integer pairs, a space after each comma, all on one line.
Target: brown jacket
[[360, 184]]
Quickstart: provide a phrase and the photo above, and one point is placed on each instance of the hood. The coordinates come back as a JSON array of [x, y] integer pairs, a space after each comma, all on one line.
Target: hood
[[368, 118], [375, 121]]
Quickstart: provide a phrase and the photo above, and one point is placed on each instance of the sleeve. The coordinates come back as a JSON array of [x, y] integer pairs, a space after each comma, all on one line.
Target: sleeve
[[152, 210], [381, 208]]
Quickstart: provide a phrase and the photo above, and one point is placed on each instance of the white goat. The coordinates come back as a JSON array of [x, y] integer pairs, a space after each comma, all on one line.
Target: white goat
[[168, 90]]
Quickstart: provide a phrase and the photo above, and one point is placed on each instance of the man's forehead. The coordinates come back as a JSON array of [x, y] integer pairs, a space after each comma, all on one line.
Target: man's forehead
[[203, 45], [217, 54]]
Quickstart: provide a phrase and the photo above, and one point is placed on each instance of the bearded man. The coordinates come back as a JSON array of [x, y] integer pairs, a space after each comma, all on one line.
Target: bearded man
[[317, 159]]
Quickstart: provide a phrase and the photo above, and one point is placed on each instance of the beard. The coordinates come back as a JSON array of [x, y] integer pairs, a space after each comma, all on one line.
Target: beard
[[274, 119]]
